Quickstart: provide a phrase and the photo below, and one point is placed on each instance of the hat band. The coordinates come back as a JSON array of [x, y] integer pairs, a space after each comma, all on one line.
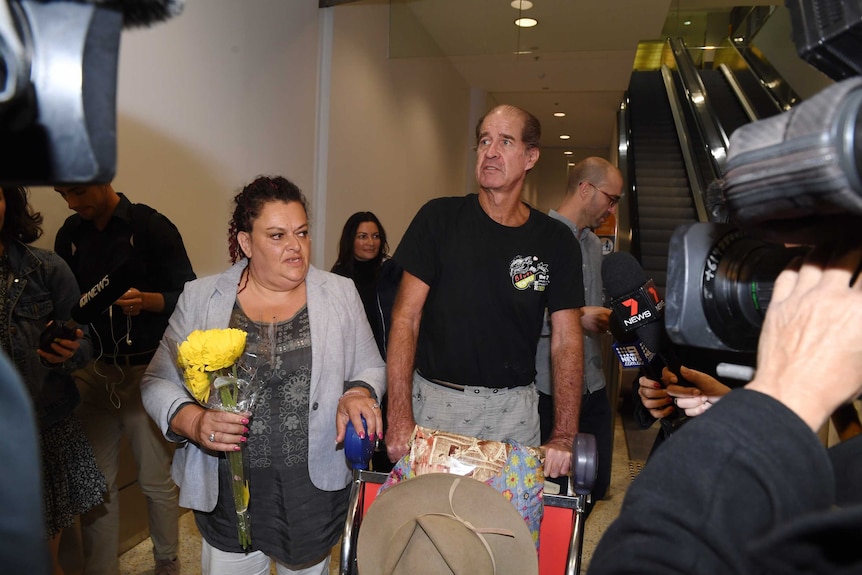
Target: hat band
[[478, 531]]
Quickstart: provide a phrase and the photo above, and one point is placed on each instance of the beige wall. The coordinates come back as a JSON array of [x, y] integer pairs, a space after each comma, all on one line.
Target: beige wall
[[231, 90], [398, 133]]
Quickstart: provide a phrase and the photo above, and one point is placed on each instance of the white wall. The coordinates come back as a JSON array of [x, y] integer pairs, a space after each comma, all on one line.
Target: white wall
[[398, 131], [206, 102]]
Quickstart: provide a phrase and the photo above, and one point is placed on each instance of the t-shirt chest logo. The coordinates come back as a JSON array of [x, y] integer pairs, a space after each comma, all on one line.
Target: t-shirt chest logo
[[527, 272]]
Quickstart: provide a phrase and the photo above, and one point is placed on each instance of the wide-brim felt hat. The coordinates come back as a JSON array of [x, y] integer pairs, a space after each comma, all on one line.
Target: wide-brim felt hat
[[442, 523]]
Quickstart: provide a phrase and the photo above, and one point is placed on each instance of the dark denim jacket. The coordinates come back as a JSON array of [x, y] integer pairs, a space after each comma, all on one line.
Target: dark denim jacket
[[42, 288]]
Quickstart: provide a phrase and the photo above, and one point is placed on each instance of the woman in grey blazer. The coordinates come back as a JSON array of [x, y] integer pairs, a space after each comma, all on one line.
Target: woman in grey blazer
[[327, 371]]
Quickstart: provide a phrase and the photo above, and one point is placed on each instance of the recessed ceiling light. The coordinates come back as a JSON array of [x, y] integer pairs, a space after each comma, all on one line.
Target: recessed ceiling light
[[521, 4], [687, 23], [560, 114], [526, 22], [568, 153], [565, 137], [571, 164], [522, 52]]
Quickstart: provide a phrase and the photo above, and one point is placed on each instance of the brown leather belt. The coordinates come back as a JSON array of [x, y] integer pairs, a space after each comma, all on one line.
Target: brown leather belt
[[447, 384]]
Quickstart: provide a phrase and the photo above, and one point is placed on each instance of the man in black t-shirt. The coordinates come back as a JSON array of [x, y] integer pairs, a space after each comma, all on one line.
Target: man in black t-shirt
[[106, 232], [479, 271]]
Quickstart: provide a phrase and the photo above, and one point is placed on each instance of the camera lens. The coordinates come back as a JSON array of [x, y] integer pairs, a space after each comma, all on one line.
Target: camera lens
[[737, 293]]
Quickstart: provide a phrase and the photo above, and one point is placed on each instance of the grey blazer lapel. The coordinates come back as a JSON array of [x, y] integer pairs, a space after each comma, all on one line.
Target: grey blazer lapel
[[318, 319]]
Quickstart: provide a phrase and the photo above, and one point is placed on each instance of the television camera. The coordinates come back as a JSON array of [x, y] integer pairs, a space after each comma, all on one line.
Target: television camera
[[792, 181]]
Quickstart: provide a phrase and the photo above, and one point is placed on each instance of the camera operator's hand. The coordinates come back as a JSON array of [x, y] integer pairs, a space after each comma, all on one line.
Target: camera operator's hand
[[809, 357], [694, 400], [62, 350]]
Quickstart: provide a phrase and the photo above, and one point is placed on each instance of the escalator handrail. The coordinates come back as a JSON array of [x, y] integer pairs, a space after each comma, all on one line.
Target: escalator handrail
[[714, 136], [698, 188], [744, 101]]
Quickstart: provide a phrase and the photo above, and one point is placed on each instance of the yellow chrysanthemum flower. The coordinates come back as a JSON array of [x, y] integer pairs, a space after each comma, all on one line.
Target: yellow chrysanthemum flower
[[205, 352], [198, 383], [213, 349]]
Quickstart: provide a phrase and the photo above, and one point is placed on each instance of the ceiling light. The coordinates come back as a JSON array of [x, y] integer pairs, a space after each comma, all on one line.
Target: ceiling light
[[687, 23], [560, 114], [565, 137], [571, 164], [568, 153], [526, 22], [521, 4], [522, 52]]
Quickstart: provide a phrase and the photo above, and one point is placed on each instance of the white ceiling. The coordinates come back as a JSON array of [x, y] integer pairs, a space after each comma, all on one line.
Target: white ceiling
[[580, 54]]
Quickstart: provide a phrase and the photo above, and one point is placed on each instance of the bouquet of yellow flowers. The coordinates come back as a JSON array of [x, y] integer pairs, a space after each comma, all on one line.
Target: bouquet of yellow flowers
[[220, 373]]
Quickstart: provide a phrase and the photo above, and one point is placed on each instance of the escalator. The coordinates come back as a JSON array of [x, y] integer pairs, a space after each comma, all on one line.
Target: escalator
[[662, 197]]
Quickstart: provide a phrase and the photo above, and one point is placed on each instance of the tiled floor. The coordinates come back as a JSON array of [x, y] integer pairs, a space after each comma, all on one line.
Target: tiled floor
[[139, 560]]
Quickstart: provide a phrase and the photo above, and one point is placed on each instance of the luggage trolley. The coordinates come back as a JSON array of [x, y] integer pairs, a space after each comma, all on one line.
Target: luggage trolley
[[561, 533]]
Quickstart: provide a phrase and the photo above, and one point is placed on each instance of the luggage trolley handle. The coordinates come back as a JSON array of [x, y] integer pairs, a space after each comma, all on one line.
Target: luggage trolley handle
[[358, 452], [581, 481]]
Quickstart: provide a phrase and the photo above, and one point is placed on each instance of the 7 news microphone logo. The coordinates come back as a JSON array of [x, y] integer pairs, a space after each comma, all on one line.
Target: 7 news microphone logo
[[639, 307]]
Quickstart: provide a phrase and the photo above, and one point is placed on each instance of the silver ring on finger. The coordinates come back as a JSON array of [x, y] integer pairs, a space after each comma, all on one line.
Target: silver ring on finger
[[375, 406], [212, 437]]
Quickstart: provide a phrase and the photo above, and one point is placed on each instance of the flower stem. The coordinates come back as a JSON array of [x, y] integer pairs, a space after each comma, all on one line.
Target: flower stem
[[240, 490], [239, 486]]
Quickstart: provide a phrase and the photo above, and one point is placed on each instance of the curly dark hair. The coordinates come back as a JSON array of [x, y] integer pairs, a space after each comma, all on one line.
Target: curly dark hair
[[21, 223], [250, 202], [348, 234]]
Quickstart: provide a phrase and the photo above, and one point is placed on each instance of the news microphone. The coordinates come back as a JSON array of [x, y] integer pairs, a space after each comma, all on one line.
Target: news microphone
[[637, 319], [93, 303]]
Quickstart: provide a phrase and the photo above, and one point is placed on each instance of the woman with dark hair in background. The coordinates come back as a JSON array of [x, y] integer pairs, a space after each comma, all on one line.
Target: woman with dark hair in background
[[363, 256], [36, 288]]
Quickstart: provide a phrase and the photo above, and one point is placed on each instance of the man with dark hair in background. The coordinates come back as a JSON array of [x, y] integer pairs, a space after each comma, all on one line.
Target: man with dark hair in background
[[594, 189], [479, 271], [106, 232]]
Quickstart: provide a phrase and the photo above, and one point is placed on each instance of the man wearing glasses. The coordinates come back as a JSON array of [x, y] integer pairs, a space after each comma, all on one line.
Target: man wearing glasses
[[594, 190]]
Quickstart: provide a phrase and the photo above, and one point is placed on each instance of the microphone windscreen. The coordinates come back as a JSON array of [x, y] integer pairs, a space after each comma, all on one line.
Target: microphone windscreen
[[102, 295], [653, 336], [621, 274], [137, 13]]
